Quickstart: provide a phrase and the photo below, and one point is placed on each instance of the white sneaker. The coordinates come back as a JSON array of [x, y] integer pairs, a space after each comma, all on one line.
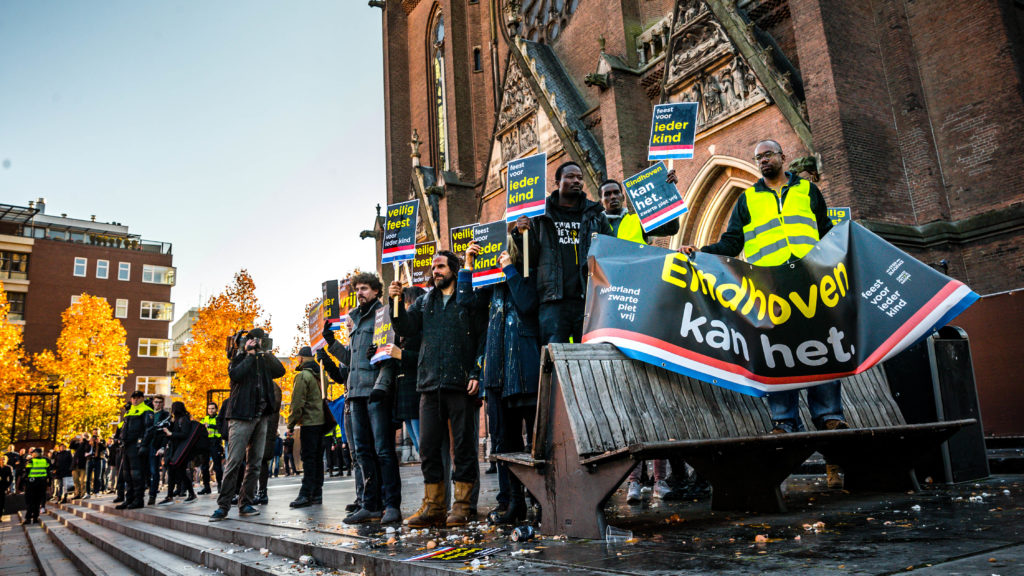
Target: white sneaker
[[633, 493], [661, 489]]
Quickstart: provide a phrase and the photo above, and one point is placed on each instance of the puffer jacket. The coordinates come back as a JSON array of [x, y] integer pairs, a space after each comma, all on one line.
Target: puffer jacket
[[252, 375], [448, 344], [545, 255], [359, 375]]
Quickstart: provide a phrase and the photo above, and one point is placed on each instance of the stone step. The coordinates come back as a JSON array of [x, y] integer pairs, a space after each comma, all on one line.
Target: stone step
[[229, 558], [48, 556], [15, 549], [89, 559], [138, 556]]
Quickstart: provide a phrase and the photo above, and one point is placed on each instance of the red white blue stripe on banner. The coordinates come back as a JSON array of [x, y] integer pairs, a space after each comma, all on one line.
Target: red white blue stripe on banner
[[398, 254], [529, 210], [669, 213], [488, 277], [953, 299], [670, 152], [381, 354]]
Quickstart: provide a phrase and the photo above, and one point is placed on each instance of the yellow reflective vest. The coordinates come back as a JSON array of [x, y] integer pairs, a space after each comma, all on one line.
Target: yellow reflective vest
[[37, 468], [211, 426], [630, 229], [779, 231]]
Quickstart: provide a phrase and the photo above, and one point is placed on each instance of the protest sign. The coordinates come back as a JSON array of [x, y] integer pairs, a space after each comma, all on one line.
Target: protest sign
[[655, 200], [461, 237], [526, 187], [315, 322], [853, 301], [330, 304], [673, 129], [400, 232], [491, 239], [383, 334], [346, 298], [421, 271], [839, 215]]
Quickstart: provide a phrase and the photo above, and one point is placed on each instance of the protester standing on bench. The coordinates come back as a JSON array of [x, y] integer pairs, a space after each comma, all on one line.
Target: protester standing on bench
[[778, 220]]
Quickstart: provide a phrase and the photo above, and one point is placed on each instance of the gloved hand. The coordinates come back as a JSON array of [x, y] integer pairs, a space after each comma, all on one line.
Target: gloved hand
[[371, 351], [328, 335], [376, 395], [324, 358]]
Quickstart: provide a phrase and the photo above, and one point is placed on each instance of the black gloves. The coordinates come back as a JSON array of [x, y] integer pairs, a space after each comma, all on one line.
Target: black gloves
[[328, 334], [371, 351], [376, 395], [325, 358]]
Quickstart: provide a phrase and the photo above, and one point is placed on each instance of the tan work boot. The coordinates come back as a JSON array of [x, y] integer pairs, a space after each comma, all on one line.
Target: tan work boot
[[432, 511], [459, 516], [835, 481]]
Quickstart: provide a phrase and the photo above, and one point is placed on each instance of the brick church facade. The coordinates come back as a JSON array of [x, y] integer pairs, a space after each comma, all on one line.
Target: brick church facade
[[911, 111]]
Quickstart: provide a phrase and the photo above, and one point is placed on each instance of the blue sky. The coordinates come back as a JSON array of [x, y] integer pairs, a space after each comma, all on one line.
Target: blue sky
[[198, 123]]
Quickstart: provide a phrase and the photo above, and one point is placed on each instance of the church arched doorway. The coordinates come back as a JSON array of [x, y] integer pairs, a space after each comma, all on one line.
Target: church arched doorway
[[711, 197]]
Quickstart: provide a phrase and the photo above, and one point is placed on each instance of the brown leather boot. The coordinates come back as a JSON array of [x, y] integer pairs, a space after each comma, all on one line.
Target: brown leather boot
[[832, 473], [459, 516], [432, 511]]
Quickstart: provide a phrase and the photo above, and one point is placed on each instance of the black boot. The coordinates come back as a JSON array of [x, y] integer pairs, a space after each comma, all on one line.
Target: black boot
[[515, 513]]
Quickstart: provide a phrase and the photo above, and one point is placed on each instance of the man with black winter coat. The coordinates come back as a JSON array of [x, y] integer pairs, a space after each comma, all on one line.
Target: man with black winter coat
[[160, 414], [447, 379], [252, 372], [559, 243], [137, 435], [368, 401]]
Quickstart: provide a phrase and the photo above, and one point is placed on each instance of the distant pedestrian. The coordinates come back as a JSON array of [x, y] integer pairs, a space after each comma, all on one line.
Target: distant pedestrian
[[37, 477], [307, 412]]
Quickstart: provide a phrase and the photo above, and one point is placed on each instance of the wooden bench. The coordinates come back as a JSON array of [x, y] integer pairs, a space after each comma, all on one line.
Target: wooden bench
[[600, 413]]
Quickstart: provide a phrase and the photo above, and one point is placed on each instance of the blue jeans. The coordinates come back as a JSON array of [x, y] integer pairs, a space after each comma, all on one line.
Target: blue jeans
[[374, 436], [824, 401], [412, 428]]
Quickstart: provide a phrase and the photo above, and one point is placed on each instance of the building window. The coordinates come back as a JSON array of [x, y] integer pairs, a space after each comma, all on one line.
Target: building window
[[81, 266], [156, 310], [157, 275], [13, 265], [124, 271], [153, 385], [478, 65], [75, 298], [16, 300], [121, 308], [439, 109], [154, 348], [102, 269]]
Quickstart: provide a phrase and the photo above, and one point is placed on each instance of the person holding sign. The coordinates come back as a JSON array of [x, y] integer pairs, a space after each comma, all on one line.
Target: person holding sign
[[559, 242], [625, 224], [510, 360], [778, 220], [368, 398], [447, 379]]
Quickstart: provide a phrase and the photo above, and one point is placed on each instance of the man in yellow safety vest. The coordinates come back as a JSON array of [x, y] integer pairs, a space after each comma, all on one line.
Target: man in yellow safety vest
[[37, 474], [626, 224]]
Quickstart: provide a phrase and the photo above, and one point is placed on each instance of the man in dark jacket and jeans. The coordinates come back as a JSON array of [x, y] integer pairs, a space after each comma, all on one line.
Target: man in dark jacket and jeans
[[252, 372], [447, 379], [368, 399], [559, 244]]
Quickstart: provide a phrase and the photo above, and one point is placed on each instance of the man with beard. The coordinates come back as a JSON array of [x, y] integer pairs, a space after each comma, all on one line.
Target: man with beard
[[368, 400], [779, 220], [447, 379], [559, 245]]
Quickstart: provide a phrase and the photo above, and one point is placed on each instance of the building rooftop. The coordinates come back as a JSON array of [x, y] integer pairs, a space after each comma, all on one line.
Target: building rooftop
[[33, 222]]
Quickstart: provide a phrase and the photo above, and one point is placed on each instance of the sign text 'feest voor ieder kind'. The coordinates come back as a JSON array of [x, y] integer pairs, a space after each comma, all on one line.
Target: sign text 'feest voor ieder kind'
[[421, 264], [526, 187], [673, 129], [491, 239], [400, 232], [383, 334], [655, 200], [853, 301]]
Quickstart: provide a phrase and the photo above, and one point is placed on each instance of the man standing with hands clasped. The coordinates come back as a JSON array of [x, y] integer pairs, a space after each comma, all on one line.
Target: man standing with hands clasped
[[447, 379], [776, 221]]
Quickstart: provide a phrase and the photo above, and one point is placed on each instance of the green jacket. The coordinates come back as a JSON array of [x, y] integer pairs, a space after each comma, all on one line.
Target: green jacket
[[307, 402]]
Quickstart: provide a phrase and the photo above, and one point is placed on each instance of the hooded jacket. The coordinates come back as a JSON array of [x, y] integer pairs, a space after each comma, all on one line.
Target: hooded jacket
[[307, 402], [545, 253], [252, 386]]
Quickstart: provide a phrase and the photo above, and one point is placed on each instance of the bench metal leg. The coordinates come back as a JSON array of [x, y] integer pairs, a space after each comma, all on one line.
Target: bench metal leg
[[747, 481]]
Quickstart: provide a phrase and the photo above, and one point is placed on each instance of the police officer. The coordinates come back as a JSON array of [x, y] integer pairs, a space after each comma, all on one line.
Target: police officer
[[216, 448], [137, 435], [37, 476]]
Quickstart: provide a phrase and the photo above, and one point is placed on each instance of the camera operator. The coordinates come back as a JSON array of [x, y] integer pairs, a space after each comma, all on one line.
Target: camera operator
[[252, 371], [137, 435]]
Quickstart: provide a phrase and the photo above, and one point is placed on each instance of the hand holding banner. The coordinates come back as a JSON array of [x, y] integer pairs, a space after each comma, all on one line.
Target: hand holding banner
[[655, 200], [673, 130], [491, 239]]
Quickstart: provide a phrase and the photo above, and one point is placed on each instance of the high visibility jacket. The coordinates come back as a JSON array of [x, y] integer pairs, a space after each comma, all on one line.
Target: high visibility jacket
[[37, 468], [336, 432], [629, 228], [211, 426], [779, 231]]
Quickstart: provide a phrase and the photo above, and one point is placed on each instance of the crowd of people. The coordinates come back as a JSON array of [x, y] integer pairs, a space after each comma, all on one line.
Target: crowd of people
[[458, 350]]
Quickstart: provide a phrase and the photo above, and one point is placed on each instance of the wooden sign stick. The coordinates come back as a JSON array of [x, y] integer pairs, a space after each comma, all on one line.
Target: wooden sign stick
[[526, 253], [394, 306]]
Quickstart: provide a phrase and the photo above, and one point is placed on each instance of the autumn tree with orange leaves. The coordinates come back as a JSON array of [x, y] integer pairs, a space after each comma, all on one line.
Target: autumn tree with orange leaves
[[204, 364], [90, 365], [14, 372]]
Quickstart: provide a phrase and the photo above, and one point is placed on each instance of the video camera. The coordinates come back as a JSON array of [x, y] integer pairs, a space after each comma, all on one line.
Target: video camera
[[236, 342], [165, 423]]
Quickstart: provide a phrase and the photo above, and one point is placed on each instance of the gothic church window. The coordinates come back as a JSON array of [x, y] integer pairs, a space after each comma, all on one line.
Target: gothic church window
[[439, 107]]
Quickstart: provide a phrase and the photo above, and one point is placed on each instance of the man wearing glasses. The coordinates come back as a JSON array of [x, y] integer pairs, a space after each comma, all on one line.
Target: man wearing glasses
[[776, 221]]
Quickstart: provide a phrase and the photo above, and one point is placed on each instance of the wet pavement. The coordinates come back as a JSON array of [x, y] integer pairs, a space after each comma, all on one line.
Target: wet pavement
[[973, 528]]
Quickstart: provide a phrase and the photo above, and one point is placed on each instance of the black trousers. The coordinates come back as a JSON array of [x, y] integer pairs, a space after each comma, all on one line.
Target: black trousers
[[35, 493], [439, 411], [135, 478], [312, 440], [561, 320]]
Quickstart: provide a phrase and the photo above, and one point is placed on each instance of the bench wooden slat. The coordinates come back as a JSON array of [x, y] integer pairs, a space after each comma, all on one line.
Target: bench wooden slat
[[680, 390], [647, 430], [599, 437], [662, 410], [618, 397], [545, 407], [598, 389], [641, 391], [577, 418]]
